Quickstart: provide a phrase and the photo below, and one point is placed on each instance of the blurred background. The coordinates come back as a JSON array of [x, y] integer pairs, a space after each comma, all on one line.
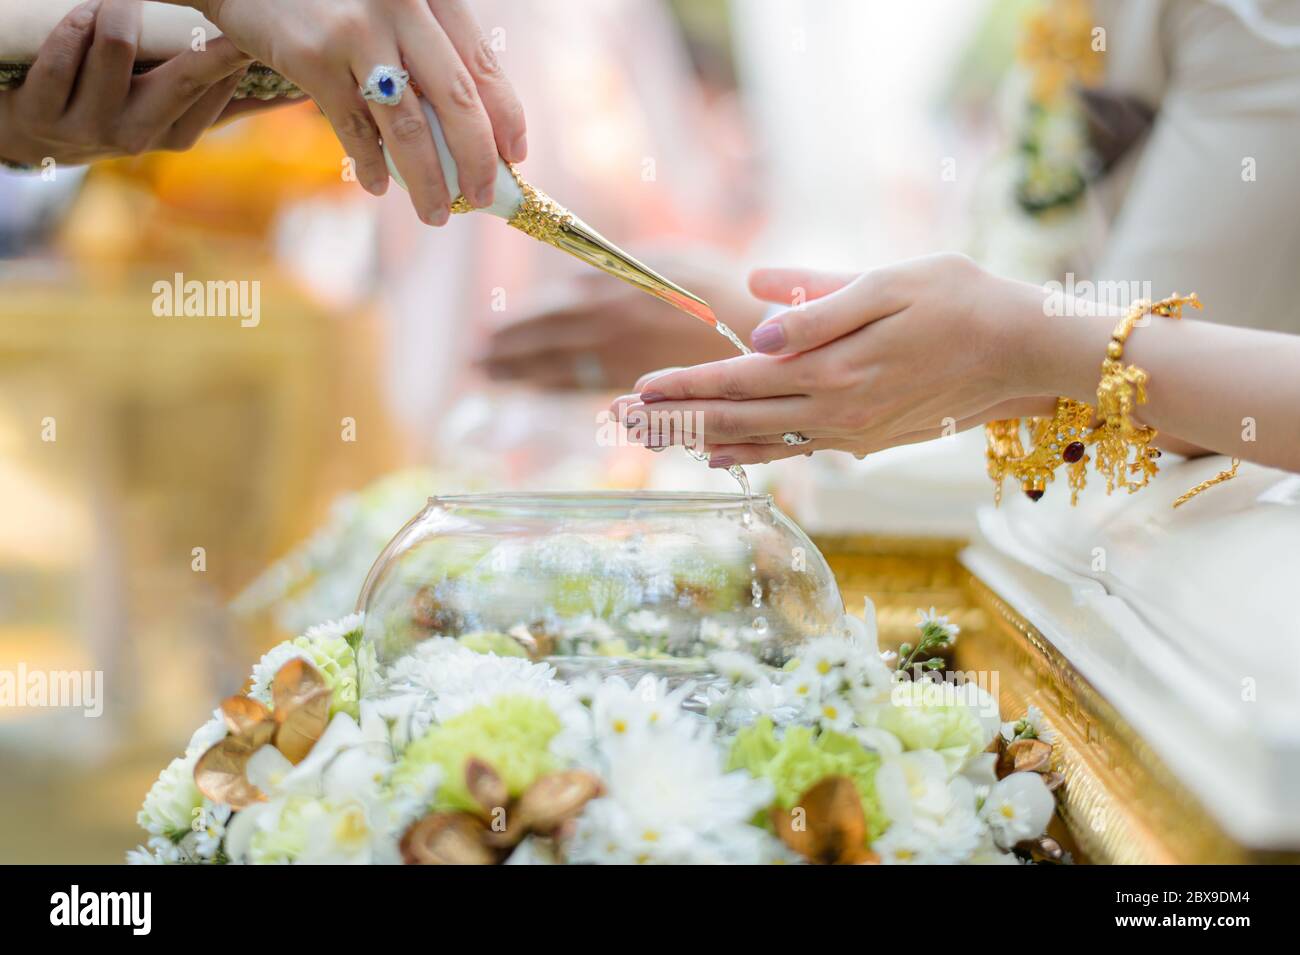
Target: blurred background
[[178, 493]]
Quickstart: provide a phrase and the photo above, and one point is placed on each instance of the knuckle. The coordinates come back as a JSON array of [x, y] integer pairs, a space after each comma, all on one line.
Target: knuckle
[[485, 61], [730, 386], [461, 91], [187, 87], [356, 124], [725, 423], [409, 129]]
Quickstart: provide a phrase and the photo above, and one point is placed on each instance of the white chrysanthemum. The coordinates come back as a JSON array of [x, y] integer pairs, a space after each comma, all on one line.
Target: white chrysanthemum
[[669, 801], [1019, 807], [332, 807], [143, 855], [933, 813], [647, 623], [618, 709], [207, 735], [458, 679], [737, 666], [333, 648], [173, 801]]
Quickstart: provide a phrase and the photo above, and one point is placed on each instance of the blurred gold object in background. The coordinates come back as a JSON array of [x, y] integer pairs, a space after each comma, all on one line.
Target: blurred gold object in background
[[129, 439]]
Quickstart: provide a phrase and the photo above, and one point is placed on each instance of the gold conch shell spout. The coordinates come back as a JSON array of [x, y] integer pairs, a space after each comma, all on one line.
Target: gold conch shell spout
[[541, 217]]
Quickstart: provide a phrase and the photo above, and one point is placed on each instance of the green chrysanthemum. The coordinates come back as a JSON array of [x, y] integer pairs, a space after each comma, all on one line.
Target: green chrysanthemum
[[512, 734], [802, 757]]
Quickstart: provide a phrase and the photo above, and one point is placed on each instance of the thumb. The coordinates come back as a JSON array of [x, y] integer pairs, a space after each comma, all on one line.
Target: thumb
[[834, 314]]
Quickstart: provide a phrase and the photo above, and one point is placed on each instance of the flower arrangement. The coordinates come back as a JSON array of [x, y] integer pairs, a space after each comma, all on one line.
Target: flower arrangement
[[457, 753]]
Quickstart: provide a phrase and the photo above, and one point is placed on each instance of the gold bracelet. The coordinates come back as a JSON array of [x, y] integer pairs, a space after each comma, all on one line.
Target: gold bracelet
[[1124, 453], [1061, 439], [1123, 449]]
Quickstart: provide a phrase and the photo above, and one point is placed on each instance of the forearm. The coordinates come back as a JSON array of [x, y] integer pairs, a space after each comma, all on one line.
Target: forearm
[[1229, 390]]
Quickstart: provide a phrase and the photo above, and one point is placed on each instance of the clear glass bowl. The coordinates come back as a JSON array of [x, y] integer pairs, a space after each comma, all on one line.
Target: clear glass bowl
[[603, 581]]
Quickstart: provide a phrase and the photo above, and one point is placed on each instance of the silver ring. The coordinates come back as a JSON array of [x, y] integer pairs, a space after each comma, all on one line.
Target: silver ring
[[386, 84], [795, 438]]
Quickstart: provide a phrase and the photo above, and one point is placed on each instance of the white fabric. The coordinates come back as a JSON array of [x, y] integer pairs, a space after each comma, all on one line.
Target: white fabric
[[1184, 619]]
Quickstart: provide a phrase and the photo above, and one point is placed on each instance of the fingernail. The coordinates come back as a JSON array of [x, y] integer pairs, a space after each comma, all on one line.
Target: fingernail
[[649, 397], [721, 461], [441, 216], [483, 197], [519, 148], [768, 338], [84, 15]]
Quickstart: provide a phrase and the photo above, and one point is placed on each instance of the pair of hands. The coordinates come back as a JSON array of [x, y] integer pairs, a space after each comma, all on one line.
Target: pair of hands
[[863, 362], [80, 101]]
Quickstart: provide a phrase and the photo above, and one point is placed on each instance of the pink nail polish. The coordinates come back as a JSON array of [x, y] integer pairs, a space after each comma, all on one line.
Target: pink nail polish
[[649, 397], [768, 338], [721, 461]]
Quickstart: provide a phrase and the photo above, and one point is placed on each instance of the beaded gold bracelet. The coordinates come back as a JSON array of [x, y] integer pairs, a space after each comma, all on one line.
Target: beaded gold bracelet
[[1124, 452], [1123, 449]]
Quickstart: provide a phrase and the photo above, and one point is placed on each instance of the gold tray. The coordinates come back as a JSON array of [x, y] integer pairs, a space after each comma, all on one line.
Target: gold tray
[[1120, 803], [260, 82]]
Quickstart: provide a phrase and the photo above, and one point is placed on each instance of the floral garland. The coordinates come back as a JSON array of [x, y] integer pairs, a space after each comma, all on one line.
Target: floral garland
[[457, 754]]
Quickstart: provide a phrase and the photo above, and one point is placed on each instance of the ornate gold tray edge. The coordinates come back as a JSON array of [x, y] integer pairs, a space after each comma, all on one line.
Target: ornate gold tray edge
[[260, 82], [1120, 801]]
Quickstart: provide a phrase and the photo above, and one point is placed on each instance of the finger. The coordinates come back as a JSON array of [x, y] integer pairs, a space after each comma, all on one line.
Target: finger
[[652, 375], [793, 287], [447, 84], [409, 139], [251, 104], [546, 370], [728, 455], [735, 379], [53, 73], [869, 297], [106, 77], [199, 118], [722, 422], [504, 110], [556, 332], [162, 96], [358, 134]]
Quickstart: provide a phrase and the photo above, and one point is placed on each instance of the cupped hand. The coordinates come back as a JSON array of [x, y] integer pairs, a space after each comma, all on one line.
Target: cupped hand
[[329, 47], [80, 101], [862, 362], [594, 332]]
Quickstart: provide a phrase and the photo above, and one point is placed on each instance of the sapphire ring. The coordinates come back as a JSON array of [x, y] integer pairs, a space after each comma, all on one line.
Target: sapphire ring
[[386, 84]]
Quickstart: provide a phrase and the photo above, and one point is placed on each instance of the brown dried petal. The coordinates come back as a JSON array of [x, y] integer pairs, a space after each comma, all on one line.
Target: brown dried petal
[[219, 773], [554, 799], [447, 838], [302, 708], [1042, 849], [827, 826], [1030, 755], [485, 785], [243, 714]]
